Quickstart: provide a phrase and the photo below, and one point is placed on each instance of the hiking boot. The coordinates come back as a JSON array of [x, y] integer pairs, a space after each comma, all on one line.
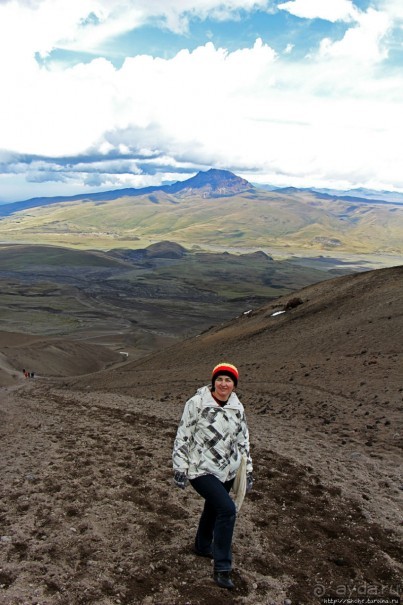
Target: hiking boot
[[223, 579]]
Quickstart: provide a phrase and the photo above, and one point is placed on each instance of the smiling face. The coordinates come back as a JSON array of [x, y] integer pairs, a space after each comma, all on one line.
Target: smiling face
[[223, 387]]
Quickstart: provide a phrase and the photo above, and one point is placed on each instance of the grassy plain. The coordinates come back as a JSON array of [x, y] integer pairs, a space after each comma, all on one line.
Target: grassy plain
[[261, 219]]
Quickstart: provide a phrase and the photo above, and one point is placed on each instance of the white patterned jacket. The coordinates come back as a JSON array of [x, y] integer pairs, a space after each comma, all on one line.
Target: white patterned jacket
[[211, 439]]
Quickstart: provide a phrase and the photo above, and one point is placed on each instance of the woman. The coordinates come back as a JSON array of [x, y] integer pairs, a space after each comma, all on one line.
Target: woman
[[211, 439]]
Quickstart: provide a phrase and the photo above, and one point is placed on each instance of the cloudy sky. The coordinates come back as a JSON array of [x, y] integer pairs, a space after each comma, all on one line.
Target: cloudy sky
[[106, 94]]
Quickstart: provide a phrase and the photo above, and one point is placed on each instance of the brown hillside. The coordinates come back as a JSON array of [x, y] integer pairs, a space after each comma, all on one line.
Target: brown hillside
[[350, 326], [89, 513], [47, 356]]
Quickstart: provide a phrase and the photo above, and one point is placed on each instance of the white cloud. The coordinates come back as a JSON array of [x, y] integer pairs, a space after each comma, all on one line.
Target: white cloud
[[177, 12], [86, 25], [330, 10], [332, 117], [364, 41], [394, 8]]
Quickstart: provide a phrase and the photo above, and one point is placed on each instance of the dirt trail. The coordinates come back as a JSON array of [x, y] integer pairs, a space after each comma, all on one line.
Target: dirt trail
[[89, 514]]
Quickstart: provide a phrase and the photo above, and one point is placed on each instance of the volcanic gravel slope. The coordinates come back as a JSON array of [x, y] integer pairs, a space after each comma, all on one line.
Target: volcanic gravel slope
[[88, 511]]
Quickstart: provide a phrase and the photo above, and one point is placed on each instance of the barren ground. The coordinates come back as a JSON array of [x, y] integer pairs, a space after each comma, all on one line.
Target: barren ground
[[88, 512]]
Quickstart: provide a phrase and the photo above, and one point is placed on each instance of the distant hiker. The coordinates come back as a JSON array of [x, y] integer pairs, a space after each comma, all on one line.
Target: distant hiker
[[211, 442], [26, 374]]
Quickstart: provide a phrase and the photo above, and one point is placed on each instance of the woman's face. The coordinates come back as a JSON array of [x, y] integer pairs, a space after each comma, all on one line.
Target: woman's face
[[223, 387]]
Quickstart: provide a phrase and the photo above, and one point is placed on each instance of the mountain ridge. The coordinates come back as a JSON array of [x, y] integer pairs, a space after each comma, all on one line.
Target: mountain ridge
[[341, 196], [212, 183], [211, 209]]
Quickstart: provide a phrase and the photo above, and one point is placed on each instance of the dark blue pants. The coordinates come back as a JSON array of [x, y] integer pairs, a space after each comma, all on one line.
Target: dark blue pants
[[217, 521]]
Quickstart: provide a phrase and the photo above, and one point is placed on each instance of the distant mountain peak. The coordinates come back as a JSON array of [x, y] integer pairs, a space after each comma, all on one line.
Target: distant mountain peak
[[211, 183]]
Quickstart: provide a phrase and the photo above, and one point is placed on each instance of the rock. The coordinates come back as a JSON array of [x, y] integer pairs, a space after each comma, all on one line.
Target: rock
[[6, 539]]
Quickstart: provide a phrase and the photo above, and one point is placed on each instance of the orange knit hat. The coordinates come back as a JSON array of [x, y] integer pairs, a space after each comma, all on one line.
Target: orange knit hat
[[227, 369]]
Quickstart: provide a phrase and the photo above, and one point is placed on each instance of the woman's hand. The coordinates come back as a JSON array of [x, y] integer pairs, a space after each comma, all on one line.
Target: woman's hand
[[180, 479]]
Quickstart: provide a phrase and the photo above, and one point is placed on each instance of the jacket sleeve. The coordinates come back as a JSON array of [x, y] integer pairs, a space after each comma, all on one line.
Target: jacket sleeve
[[243, 443], [184, 436]]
